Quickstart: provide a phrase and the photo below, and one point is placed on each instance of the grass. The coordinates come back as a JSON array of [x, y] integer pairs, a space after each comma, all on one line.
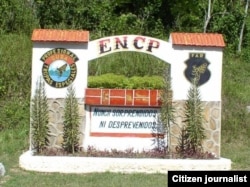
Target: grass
[[30, 179], [238, 151]]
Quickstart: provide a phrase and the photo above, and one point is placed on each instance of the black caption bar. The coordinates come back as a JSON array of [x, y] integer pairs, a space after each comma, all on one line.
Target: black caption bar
[[208, 178]]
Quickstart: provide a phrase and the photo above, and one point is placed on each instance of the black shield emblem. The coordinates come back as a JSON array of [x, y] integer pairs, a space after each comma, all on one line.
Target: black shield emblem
[[197, 65]]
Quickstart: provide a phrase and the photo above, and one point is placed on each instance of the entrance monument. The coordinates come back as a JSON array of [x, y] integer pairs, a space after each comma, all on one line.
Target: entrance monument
[[122, 118]]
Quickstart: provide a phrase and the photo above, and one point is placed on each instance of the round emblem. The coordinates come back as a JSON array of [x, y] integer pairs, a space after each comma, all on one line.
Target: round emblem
[[59, 68]]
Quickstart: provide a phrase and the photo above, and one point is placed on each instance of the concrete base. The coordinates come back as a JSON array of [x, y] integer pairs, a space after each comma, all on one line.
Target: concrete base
[[65, 164]]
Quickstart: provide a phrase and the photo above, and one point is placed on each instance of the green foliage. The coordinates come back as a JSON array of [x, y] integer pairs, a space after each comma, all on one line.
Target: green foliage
[[15, 69], [59, 14], [188, 15], [14, 113], [182, 146], [2, 88], [146, 82], [235, 97], [154, 18], [39, 118], [71, 122], [132, 63], [111, 80], [108, 80], [194, 119], [17, 16], [227, 18], [15, 80], [167, 108]]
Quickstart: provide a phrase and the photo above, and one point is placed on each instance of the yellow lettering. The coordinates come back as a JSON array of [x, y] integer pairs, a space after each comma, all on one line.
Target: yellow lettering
[[197, 55]]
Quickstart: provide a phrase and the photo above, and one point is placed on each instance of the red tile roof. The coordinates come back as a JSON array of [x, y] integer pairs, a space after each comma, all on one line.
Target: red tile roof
[[53, 35], [198, 39], [188, 39]]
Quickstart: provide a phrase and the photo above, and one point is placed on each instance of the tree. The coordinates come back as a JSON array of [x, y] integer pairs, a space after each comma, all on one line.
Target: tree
[[39, 118], [187, 15], [17, 16], [207, 16], [227, 18], [167, 109], [194, 130], [243, 26], [71, 122]]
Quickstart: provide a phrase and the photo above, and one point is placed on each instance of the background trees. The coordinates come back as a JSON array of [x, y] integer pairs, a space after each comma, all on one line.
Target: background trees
[[155, 18]]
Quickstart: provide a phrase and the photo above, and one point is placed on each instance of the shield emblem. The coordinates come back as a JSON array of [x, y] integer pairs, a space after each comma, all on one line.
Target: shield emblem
[[197, 65]]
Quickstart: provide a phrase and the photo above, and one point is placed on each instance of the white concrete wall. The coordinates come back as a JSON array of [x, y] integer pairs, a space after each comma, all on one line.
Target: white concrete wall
[[176, 56], [80, 82]]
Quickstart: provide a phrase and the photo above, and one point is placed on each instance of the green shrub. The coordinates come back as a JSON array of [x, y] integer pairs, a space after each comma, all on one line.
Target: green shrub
[[108, 80], [113, 81]]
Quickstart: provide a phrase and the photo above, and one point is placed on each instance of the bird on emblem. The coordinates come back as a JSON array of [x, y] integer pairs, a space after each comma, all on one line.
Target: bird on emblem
[[61, 69]]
